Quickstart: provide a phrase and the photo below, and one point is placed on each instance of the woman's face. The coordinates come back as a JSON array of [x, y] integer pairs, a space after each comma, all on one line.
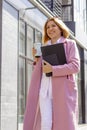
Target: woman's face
[[53, 31]]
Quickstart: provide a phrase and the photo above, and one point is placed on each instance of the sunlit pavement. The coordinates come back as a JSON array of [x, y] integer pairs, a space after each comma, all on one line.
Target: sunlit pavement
[[82, 127]]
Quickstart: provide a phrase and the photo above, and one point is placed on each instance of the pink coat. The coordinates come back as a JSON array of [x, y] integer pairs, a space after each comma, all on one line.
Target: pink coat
[[64, 90]]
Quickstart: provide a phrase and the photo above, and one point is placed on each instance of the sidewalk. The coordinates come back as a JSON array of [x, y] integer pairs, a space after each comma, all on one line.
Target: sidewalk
[[83, 127]]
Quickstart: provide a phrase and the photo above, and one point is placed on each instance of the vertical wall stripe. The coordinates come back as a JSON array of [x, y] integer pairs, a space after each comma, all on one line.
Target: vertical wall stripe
[[1, 2]]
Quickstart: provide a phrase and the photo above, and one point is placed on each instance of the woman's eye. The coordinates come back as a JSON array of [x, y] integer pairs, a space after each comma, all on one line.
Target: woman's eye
[[48, 27], [51, 26]]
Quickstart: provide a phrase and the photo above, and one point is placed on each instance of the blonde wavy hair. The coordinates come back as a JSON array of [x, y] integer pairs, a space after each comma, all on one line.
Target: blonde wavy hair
[[65, 31]]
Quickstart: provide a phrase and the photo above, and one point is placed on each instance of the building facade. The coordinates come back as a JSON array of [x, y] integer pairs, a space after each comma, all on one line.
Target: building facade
[[21, 26]]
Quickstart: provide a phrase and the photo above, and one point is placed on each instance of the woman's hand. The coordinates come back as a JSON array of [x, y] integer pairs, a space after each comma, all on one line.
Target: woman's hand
[[36, 59], [47, 68]]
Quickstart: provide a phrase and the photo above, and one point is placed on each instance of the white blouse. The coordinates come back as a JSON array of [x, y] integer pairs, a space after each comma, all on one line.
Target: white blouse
[[46, 82]]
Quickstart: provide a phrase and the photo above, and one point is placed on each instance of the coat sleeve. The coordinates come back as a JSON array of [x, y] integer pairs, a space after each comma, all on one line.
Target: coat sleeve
[[73, 61]]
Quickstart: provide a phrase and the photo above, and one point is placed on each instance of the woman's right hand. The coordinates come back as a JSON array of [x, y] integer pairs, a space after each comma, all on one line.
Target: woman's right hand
[[36, 59]]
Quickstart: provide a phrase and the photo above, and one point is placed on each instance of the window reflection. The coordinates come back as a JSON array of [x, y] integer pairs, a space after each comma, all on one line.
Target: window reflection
[[65, 2], [38, 36], [21, 105], [22, 37], [29, 43]]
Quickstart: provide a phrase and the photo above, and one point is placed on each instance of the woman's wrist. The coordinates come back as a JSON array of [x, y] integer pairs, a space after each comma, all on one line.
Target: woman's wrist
[[36, 60], [34, 63]]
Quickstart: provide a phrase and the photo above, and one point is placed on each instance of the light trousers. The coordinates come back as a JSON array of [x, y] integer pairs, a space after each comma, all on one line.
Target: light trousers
[[46, 112]]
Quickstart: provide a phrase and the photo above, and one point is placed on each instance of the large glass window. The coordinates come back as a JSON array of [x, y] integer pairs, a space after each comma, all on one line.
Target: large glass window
[[21, 105], [66, 2], [67, 13], [38, 36], [67, 10], [80, 14], [81, 88], [27, 37], [21, 83], [22, 38], [30, 41]]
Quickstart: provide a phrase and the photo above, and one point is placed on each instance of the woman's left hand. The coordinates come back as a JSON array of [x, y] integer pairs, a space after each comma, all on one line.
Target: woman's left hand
[[47, 68]]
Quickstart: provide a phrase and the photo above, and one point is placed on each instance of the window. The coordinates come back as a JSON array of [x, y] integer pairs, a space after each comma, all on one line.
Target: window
[[38, 36], [21, 83], [67, 13], [67, 10], [27, 36], [66, 2], [81, 88]]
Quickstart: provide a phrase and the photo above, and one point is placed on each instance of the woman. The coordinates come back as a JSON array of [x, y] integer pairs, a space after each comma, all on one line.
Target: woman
[[52, 101]]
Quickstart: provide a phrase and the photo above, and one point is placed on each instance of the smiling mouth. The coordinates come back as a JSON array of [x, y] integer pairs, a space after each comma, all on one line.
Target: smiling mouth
[[52, 33]]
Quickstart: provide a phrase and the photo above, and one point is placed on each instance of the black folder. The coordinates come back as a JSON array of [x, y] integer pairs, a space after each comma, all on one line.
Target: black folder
[[54, 54]]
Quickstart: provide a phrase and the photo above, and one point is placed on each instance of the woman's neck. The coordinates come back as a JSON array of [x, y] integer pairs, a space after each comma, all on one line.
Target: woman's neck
[[53, 41]]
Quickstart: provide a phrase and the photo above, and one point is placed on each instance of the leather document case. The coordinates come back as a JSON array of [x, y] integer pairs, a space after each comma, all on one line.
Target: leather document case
[[54, 54]]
